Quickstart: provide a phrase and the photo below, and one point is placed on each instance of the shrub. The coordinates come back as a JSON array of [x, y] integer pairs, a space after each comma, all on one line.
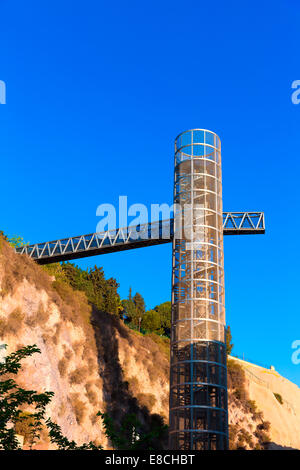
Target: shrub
[[62, 409], [67, 353], [78, 375], [92, 396], [12, 324], [264, 426], [38, 318], [17, 267], [62, 367], [147, 399], [23, 426], [236, 382], [77, 346], [163, 343], [79, 407], [3, 326], [262, 436], [151, 321], [152, 371], [134, 385], [252, 407], [76, 300], [258, 415], [278, 398], [236, 375], [55, 337], [93, 418], [91, 363]]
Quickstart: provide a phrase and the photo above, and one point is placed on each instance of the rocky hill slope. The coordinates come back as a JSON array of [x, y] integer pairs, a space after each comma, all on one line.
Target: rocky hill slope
[[280, 401], [92, 361]]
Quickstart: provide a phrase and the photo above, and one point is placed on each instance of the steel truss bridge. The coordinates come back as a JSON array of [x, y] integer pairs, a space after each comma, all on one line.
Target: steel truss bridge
[[154, 233]]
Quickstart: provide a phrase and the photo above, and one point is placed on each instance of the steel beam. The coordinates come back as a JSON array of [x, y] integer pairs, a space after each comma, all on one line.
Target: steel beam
[[155, 233]]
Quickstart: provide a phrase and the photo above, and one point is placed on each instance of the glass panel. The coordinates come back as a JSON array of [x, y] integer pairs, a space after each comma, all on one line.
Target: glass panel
[[198, 136], [198, 150], [210, 138], [198, 298], [186, 139]]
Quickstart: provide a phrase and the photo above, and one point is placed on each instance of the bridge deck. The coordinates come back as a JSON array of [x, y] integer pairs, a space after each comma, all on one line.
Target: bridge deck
[[155, 233]]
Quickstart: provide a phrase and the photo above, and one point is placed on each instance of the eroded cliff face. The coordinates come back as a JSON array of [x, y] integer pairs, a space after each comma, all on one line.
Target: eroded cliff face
[[283, 412], [89, 359], [93, 362]]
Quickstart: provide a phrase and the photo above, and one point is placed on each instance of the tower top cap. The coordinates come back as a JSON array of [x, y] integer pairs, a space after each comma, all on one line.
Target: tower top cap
[[197, 137]]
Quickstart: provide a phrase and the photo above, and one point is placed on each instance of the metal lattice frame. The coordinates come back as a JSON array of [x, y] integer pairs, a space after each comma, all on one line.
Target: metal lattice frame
[[198, 386], [234, 223], [198, 375]]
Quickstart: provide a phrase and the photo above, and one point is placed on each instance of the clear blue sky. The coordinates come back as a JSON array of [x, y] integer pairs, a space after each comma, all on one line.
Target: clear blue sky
[[97, 92]]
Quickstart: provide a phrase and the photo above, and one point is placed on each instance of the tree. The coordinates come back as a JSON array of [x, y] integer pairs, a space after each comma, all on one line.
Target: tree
[[164, 311], [102, 293], [151, 321], [139, 304], [131, 435], [63, 443], [14, 241], [13, 399], [229, 344], [129, 309], [111, 297], [17, 241], [130, 294]]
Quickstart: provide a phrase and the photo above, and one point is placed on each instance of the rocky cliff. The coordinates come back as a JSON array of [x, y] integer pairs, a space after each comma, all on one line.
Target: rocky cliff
[[92, 361]]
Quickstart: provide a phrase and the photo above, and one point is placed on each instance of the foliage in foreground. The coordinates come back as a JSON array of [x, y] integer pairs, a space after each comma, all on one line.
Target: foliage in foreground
[[13, 399], [131, 435], [13, 416]]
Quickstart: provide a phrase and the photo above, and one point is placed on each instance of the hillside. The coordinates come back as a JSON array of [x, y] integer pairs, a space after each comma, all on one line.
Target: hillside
[[89, 359], [92, 361], [282, 412]]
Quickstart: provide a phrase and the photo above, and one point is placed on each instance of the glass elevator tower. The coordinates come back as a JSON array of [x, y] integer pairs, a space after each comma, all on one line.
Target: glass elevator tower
[[198, 380]]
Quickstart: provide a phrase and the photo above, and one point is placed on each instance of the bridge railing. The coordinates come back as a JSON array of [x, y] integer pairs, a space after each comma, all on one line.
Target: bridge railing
[[234, 223]]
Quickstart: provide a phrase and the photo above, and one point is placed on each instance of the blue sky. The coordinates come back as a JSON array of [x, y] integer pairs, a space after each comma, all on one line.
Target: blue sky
[[97, 92]]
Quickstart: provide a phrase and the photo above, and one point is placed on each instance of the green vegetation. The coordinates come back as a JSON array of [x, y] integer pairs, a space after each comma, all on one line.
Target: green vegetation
[[139, 304], [229, 344], [14, 419], [131, 436], [14, 241], [100, 292], [278, 398], [103, 294], [151, 321], [13, 399]]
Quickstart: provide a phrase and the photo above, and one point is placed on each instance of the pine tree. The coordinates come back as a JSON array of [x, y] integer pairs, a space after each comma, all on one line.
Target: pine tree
[[229, 344]]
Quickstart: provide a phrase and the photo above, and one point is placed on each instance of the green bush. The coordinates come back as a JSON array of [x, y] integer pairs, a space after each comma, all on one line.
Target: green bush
[[151, 321]]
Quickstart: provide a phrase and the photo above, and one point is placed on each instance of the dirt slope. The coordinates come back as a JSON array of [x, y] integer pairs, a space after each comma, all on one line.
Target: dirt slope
[[284, 418], [89, 359], [92, 361]]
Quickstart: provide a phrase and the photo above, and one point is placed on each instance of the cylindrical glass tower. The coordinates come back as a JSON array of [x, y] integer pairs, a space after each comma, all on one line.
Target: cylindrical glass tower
[[198, 382]]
